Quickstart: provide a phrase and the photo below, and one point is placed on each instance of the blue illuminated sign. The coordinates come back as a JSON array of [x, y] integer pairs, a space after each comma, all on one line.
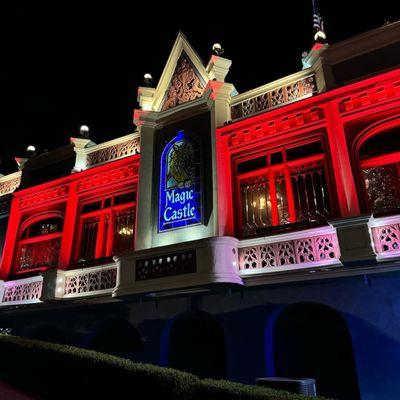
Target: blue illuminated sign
[[180, 203]]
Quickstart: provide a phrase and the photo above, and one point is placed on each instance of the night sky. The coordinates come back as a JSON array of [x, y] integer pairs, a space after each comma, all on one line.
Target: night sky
[[65, 65]]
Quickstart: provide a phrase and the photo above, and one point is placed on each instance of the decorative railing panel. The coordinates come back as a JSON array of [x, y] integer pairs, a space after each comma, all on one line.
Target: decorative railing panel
[[9, 184], [302, 252], [23, 291], [387, 239], [114, 152], [78, 282], [166, 265], [277, 97]]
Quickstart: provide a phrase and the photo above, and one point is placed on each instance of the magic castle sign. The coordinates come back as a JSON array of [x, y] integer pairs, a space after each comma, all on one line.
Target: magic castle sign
[[180, 195]]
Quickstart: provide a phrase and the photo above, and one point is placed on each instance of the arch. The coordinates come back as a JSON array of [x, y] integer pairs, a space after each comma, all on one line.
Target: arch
[[197, 345], [311, 340], [116, 336], [376, 152], [372, 130], [48, 333], [37, 218]]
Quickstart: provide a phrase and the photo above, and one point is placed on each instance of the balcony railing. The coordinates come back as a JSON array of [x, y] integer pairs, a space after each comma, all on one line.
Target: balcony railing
[[98, 280], [273, 95], [88, 157], [22, 291], [297, 250], [9, 183], [386, 236]]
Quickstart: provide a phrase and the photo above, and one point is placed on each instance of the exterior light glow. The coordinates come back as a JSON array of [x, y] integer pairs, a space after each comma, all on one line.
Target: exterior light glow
[[217, 49], [148, 79], [31, 148], [126, 231], [84, 130]]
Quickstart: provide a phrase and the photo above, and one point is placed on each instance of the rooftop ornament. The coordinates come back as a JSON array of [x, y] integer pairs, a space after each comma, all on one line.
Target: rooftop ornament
[[217, 49]]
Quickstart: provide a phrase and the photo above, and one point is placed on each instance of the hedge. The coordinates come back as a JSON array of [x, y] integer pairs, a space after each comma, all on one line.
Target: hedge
[[52, 371]]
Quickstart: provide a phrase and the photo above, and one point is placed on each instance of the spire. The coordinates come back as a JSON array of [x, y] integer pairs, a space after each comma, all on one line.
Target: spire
[[318, 25]]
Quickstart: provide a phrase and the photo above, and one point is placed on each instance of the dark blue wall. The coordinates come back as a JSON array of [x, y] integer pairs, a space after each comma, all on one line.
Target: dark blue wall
[[370, 307]]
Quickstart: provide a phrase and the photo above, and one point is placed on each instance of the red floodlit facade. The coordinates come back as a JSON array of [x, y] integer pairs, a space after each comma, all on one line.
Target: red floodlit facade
[[322, 158], [75, 221], [297, 166], [244, 214]]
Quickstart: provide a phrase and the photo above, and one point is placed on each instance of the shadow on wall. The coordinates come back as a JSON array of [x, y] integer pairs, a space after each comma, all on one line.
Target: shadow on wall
[[117, 336], [313, 341], [196, 344], [47, 333]]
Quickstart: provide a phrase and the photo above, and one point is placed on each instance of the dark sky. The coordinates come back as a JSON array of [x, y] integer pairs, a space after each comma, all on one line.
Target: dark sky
[[65, 65]]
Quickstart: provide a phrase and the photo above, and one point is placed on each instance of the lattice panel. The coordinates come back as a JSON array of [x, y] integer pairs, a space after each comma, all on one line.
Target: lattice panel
[[293, 252], [9, 186], [387, 238], [15, 291], [115, 152], [91, 281], [275, 98]]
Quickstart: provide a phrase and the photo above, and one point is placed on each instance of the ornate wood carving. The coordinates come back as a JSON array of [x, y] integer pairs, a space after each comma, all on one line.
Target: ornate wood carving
[[294, 252], [44, 196], [108, 177], [114, 152], [275, 98], [185, 84]]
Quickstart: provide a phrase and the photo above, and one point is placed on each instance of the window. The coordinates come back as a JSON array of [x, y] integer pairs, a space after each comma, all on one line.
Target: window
[[106, 227], [290, 187], [379, 159], [39, 244]]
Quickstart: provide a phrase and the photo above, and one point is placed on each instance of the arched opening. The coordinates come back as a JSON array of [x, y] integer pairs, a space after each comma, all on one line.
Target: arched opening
[[313, 341], [39, 243], [48, 333], [117, 336], [378, 155], [197, 345]]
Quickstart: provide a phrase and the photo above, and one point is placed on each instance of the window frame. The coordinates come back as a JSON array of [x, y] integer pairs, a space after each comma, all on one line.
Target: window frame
[[270, 172], [381, 160], [104, 241], [35, 239]]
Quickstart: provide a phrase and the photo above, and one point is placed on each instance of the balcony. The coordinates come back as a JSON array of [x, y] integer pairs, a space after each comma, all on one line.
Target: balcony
[[312, 248], [276, 94], [184, 266], [86, 282], [22, 291]]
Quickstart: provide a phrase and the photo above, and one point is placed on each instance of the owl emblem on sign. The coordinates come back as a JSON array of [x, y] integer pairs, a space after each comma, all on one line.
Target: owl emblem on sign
[[181, 170]]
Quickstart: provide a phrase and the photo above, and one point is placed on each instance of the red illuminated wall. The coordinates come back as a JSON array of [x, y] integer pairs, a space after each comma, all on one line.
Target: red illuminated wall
[[342, 116], [64, 196]]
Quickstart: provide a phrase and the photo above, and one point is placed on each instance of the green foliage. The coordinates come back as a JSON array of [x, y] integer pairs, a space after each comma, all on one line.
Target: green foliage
[[53, 371], [224, 390]]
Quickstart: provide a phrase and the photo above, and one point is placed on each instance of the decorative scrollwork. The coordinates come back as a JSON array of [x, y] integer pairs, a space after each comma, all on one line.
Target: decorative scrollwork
[[275, 98], [22, 291], [387, 238], [9, 186], [114, 152], [293, 252], [185, 85], [90, 281]]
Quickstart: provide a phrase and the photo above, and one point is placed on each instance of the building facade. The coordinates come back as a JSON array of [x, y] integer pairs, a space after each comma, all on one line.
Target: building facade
[[232, 235]]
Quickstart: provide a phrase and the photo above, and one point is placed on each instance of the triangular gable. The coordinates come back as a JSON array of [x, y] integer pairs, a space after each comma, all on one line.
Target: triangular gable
[[184, 77], [186, 84]]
